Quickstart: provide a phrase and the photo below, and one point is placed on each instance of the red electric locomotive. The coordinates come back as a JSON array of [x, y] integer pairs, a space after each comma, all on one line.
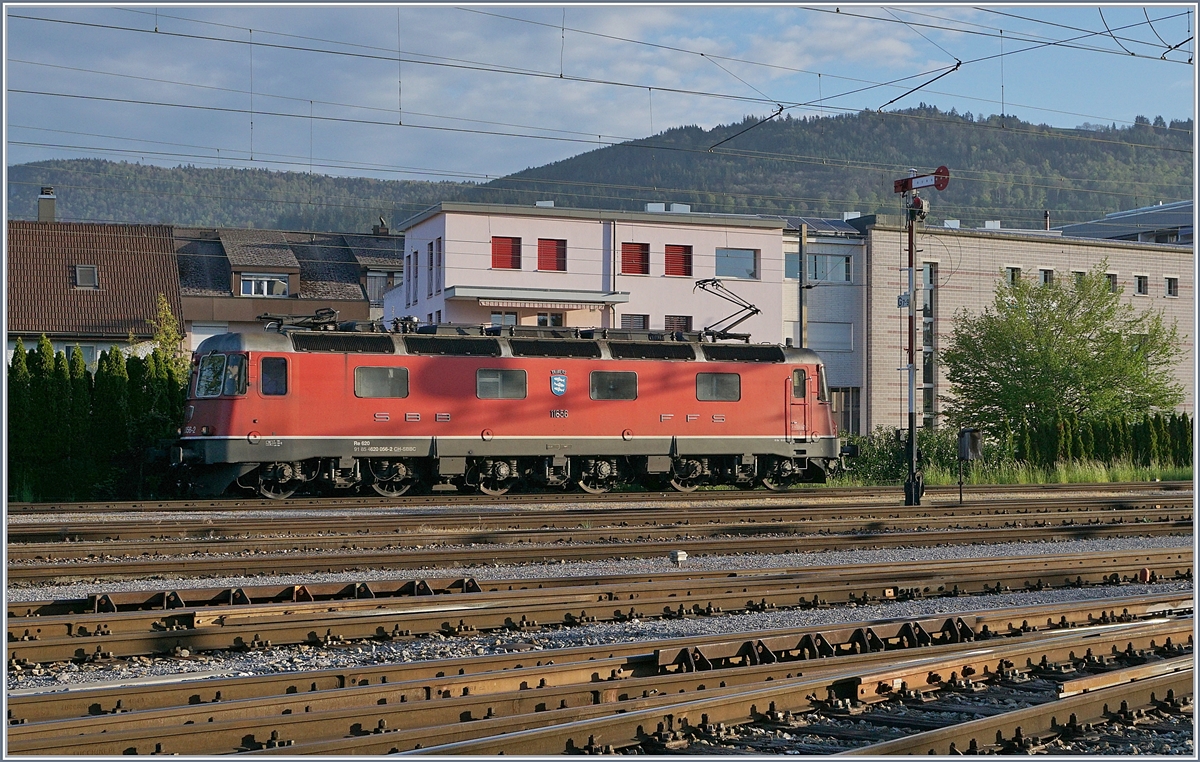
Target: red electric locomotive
[[489, 409]]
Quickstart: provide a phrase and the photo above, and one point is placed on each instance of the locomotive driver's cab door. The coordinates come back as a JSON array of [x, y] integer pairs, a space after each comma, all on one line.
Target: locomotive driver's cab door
[[798, 408]]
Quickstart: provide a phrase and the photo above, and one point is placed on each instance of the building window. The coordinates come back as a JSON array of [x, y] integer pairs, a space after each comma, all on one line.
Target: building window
[[273, 376], [737, 263], [678, 260], [929, 276], [550, 319], [439, 269], [675, 323], [264, 285], [1046, 277], [791, 263], [718, 387], [614, 385], [1172, 286], [87, 276], [845, 401], [828, 268], [830, 337], [429, 271], [506, 253], [504, 318], [377, 286], [408, 268], [380, 382], [1113, 286], [635, 258], [552, 255], [1012, 275], [635, 322], [497, 384], [437, 316], [1143, 285], [1079, 275], [415, 280], [429, 318]]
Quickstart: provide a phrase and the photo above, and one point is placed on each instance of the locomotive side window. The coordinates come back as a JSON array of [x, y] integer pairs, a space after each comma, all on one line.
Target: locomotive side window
[[497, 384], [235, 376], [212, 372], [380, 382], [718, 387], [822, 385], [614, 385], [800, 383], [273, 375]]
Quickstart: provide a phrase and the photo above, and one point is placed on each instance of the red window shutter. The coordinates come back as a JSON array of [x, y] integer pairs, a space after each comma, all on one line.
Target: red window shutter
[[635, 258], [678, 260], [506, 253], [552, 254]]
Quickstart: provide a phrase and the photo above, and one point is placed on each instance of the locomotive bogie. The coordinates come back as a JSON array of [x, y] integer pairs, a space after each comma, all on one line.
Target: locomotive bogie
[[347, 411]]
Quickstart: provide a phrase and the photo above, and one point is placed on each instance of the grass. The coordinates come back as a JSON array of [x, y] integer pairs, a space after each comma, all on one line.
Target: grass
[[1073, 472]]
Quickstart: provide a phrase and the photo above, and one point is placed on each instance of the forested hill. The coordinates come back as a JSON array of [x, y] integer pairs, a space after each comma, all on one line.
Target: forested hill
[[1002, 168]]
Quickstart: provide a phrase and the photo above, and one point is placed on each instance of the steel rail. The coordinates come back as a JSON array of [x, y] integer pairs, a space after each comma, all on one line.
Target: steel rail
[[444, 499], [354, 558], [366, 594], [230, 726], [91, 636], [704, 652], [28, 541], [599, 726], [1024, 730]]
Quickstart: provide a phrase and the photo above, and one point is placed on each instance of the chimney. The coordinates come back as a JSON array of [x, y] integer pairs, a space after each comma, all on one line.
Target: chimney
[[380, 229], [46, 204], [1046, 214]]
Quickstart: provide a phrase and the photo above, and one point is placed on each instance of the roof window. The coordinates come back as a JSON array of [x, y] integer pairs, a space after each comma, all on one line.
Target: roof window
[[87, 276]]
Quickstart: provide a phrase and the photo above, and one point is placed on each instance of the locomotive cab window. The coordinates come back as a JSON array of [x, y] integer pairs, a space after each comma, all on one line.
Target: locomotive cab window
[[273, 376], [235, 376], [822, 385], [718, 387], [614, 385], [497, 384], [800, 383], [380, 382], [211, 376]]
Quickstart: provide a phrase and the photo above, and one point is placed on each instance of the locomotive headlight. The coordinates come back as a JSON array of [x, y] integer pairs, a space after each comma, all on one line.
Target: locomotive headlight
[[205, 431]]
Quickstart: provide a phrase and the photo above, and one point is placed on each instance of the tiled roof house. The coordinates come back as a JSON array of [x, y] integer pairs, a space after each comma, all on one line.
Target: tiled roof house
[[87, 283], [229, 277]]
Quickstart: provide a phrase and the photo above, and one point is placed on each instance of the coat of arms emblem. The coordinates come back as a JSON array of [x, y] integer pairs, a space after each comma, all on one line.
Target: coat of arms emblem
[[558, 384]]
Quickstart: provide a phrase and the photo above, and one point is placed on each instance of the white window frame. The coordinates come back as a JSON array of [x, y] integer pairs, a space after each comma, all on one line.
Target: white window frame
[[1167, 286], [257, 279], [94, 270], [1137, 282], [1009, 276]]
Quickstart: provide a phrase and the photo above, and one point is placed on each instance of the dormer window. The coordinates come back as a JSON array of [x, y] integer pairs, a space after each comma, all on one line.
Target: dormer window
[[87, 276], [258, 284]]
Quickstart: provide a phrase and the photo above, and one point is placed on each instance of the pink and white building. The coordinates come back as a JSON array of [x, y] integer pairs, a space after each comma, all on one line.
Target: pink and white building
[[540, 265]]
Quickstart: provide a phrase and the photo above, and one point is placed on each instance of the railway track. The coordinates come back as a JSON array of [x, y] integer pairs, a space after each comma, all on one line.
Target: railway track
[[329, 528], [693, 693], [442, 499], [94, 629], [63, 563]]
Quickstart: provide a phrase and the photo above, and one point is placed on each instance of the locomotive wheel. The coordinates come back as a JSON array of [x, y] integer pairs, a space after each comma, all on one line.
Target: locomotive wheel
[[495, 488], [594, 487], [774, 485], [391, 488], [684, 485], [276, 490]]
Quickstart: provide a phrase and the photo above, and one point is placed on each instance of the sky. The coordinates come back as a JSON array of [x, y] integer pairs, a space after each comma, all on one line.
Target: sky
[[476, 92]]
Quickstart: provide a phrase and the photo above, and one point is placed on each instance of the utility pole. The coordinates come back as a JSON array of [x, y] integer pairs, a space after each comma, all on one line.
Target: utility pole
[[915, 211]]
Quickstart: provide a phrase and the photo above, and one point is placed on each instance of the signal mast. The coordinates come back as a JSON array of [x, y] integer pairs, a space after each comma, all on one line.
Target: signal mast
[[914, 485]]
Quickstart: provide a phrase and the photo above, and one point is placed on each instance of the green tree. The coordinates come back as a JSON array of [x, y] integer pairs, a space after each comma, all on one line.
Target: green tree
[[168, 338], [19, 462], [110, 420], [1055, 350], [82, 472]]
